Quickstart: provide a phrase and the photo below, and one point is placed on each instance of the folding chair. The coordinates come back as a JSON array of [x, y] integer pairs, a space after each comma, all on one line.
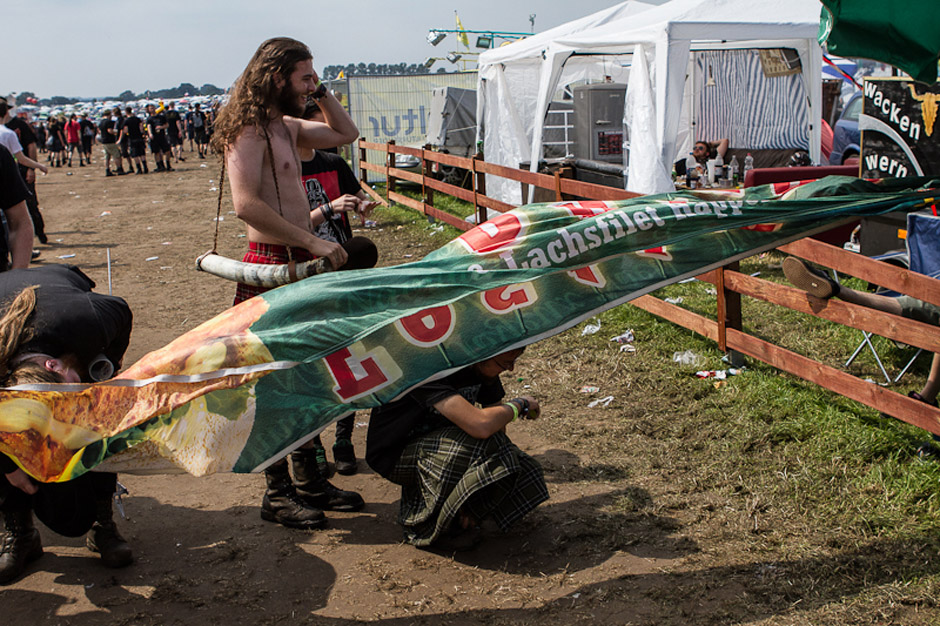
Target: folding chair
[[923, 254]]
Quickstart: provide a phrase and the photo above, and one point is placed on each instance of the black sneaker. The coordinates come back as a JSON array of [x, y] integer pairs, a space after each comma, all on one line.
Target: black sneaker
[[344, 457]]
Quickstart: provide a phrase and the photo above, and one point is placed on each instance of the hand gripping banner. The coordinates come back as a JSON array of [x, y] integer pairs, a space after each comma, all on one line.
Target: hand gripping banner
[[247, 386]]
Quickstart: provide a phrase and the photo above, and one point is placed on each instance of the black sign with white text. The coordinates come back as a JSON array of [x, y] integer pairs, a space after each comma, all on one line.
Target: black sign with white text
[[899, 130]]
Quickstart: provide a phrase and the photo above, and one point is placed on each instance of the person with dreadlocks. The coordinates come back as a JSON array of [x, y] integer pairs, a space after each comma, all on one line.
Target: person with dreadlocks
[[259, 132], [54, 329]]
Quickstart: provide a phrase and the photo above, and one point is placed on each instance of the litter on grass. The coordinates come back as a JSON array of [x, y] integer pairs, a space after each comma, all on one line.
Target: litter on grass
[[600, 402], [590, 329], [625, 337], [718, 374], [686, 358], [674, 300], [589, 389]]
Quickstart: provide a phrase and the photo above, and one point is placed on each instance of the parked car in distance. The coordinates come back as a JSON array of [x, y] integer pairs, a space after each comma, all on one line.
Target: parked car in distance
[[846, 136]]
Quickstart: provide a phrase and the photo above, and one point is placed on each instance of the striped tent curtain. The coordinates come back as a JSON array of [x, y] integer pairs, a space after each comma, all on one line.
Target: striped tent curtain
[[736, 100]]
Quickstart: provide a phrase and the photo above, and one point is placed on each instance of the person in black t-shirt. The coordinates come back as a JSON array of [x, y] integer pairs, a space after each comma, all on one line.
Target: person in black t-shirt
[[28, 141], [109, 136], [333, 192], [454, 462], [57, 145], [57, 328], [200, 130], [174, 131], [88, 132], [137, 145], [122, 139], [159, 145], [13, 196]]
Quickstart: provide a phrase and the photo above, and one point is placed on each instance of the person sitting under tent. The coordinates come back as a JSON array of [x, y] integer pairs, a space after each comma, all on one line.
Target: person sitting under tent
[[56, 330], [816, 283], [703, 151], [453, 460]]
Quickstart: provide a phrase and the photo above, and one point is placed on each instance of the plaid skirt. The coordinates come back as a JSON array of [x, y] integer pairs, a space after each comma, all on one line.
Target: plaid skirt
[[266, 254], [447, 470]]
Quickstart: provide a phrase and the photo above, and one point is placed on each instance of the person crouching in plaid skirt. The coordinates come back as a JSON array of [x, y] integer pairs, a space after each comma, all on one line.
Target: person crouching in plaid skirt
[[453, 460]]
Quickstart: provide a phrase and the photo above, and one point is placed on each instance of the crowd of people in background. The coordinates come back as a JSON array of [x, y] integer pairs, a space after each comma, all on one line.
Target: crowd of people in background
[[68, 139]]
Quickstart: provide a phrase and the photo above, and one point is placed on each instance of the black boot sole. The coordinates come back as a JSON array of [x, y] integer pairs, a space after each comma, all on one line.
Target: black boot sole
[[269, 516]]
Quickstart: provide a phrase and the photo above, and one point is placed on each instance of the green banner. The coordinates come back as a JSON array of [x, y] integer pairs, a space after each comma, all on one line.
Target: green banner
[[242, 389]]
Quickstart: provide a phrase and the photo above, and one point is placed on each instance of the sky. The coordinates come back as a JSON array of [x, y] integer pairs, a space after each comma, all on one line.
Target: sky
[[99, 48]]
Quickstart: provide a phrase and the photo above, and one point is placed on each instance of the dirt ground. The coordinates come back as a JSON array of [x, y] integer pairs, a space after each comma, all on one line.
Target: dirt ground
[[611, 546], [202, 551]]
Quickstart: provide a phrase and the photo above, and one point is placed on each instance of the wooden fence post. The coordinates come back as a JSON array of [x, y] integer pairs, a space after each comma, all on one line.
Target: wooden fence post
[[389, 163], [363, 172], [729, 312], [427, 193], [479, 187]]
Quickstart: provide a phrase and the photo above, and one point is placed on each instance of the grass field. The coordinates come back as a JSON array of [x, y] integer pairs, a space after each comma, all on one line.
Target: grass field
[[811, 500]]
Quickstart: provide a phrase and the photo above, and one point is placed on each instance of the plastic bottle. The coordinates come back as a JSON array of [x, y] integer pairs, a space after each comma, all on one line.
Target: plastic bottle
[[691, 171], [734, 170], [719, 167], [748, 163]]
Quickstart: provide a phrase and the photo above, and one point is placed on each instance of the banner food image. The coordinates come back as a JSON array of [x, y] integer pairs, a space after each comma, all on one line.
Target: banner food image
[[247, 386]]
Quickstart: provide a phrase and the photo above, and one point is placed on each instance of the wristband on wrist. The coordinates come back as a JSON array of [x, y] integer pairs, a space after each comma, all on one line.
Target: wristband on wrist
[[319, 92], [523, 405], [327, 211], [515, 410]]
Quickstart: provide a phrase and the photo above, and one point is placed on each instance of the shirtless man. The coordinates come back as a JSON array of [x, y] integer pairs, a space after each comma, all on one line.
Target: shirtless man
[[260, 123]]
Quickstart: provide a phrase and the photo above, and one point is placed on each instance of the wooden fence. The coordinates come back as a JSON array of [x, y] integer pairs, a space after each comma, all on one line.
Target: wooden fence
[[476, 195], [727, 326]]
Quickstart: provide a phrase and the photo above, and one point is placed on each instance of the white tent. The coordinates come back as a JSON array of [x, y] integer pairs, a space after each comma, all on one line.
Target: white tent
[[508, 90], [656, 42]]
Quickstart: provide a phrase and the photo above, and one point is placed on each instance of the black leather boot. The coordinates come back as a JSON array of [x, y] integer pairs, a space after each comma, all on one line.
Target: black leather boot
[[19, 545], [104, 537], [317, 490], [281, 503]]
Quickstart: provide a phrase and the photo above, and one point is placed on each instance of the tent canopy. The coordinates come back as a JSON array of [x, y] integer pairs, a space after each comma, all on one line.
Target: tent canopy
[[658, 42]]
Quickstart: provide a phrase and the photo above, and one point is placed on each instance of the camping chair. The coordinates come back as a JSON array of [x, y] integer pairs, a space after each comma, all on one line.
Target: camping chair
[[923, 252]]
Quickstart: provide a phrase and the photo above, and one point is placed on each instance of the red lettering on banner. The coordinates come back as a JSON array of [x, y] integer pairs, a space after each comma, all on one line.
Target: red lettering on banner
[[428, 327], [509, 298], [656, 253], [589, 275], [586, 208], [763, 228], [780, 188], [358, 373], [494, 234]]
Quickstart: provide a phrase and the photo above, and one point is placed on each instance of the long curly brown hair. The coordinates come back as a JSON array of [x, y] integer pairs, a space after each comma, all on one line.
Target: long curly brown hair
[[255, 90]]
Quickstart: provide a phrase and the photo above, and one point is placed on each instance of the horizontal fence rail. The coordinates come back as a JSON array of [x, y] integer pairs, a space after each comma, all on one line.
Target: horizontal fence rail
[[477, 168]]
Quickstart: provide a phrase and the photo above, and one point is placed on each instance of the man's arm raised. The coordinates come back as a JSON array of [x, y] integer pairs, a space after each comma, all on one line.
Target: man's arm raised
[[338, 130], [245, 161]]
